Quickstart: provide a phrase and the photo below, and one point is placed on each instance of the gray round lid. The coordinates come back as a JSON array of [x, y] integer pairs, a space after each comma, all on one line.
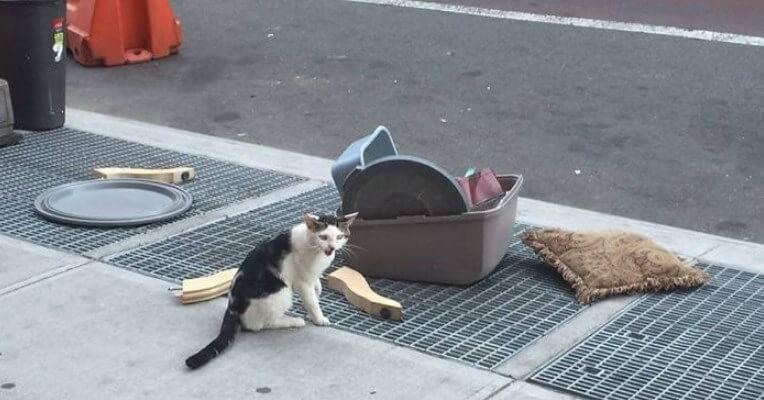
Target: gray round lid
[[113, 202], [397, 186]]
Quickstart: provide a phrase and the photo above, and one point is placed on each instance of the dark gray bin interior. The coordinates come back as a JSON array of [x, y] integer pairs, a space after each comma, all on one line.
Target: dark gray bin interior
[[455, 249]]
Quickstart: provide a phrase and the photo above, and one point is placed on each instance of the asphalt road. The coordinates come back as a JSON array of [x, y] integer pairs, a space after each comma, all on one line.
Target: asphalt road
[[663, 129]]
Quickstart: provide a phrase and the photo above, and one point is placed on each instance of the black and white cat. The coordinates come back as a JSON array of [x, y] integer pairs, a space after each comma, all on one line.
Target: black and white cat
[[261, 291]]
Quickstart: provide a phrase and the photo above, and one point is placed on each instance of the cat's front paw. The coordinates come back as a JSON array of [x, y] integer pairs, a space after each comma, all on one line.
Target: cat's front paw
[[321, 321]]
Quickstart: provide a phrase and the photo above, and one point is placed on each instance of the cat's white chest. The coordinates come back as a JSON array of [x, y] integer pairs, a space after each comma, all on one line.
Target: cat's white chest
[[304, 268]]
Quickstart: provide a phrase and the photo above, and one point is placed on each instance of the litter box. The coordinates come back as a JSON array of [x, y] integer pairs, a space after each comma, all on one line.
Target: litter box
[[454, 249]]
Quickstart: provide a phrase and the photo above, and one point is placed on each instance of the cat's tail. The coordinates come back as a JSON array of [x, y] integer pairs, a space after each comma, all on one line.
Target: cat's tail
[[228, 330]]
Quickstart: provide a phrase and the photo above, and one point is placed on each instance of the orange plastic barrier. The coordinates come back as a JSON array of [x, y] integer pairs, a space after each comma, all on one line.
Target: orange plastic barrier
[[116, 32]]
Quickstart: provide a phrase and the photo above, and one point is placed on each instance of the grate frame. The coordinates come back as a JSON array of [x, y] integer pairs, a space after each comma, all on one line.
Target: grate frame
[[706, 343]]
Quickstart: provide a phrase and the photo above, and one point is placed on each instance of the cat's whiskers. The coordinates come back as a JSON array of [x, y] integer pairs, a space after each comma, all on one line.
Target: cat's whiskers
[[348, 251]]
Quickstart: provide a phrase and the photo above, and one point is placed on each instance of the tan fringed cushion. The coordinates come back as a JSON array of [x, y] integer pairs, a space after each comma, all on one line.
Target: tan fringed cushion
[[600, 264]]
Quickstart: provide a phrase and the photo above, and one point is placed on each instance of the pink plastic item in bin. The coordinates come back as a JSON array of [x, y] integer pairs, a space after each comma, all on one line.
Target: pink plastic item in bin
[[480, 187]]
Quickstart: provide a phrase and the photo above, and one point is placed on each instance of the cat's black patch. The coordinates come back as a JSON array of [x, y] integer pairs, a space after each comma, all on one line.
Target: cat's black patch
[[342, 222], [328, 220], [256, 278], [323, 221]]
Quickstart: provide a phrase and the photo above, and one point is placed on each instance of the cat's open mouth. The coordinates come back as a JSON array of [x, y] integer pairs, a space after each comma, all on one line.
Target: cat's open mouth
[[328, 252]]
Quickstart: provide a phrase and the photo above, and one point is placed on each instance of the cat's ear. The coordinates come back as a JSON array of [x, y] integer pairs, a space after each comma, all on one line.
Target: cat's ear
[[312, 222], [346, 220]]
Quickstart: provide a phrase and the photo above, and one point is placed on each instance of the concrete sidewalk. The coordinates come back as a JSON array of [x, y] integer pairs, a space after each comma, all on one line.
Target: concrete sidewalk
[[94, 332], [76, 328]]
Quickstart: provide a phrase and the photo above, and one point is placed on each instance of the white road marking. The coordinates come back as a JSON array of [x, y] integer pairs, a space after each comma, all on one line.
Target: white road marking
[[710, 36]]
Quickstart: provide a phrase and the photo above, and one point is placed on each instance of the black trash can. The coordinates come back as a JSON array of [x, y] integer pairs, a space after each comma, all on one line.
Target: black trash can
[[33, 61]]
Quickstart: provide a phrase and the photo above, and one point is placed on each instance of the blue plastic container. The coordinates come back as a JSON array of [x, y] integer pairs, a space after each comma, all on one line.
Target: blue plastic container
[[361, 152]]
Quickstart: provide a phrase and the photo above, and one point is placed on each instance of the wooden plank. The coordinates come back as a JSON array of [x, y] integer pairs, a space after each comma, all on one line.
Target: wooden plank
[[207, 287], [166, 175], [354, 287]]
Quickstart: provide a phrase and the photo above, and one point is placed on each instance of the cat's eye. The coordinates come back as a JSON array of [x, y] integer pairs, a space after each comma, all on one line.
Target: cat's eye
[[323, 237], [340, 237]]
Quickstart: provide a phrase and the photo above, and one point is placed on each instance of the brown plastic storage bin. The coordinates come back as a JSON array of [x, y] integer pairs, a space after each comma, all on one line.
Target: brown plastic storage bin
[[454, 249]]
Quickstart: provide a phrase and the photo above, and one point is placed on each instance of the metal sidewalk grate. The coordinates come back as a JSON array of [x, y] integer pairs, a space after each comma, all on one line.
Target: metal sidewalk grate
[[701, 344], [482, 325], [224, 244], [44, 160]]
